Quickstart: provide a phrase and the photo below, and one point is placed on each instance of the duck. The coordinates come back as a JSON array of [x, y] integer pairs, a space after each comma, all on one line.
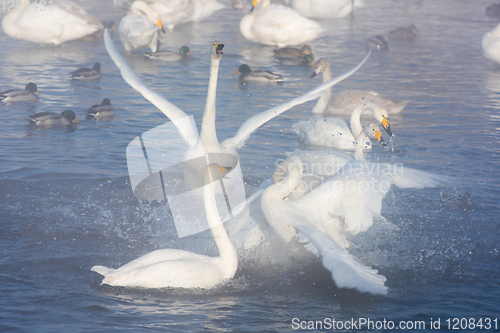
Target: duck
[[169, 55], [257, 75], [87, 74], [344, 101], [140, 28], [293, 51], [337, 133], [58, 23], [175, 12], [326, 8], [27, 95], [490, 45], [65, 118], [101, 111], [278, 25], [172, 268], [404, 34]]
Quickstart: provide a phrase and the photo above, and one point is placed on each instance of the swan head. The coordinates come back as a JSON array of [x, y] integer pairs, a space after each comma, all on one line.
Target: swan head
[[216, 50], [254, 4], [214, 172], [321, 66], [373, 131], [379, 113], [141, 7]]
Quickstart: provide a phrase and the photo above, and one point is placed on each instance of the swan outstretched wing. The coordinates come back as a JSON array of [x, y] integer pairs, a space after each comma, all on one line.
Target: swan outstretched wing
[[346, 272], [256, 121], [188, 133]]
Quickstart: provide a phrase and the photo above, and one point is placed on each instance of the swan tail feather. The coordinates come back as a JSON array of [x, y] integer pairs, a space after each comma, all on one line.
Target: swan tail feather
[[346, 272], [256, 121]]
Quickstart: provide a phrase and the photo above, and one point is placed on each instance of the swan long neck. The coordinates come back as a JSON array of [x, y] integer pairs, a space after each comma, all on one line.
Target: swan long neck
[[208, 135], [355, 121], [326, 96], [227, 251], [291, 180], [359, 154]]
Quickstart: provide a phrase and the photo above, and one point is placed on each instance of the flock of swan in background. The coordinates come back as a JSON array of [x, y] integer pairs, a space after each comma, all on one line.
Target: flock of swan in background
[[319, 208]]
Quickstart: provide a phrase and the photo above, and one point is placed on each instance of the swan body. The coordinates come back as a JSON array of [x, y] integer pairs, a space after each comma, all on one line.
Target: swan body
[[326, 8], [490, 45], [277, 25], [63, 21], [404, 34], [336, 132], [140, 29], [17, 95], [178, 268], [66, 118], [101, 111], [87, 74], [345, 101], [257, 75], [175, 12], [169, 55]]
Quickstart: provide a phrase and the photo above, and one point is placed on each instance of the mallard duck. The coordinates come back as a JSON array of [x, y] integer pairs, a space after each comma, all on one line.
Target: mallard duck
[[306, 60], [17, 95], [278, 25], [57, 23], [103, 110], [404, 34], [87, 74], [65, 118], [257, 75], [140, 29], [169, 55], [293, 51]]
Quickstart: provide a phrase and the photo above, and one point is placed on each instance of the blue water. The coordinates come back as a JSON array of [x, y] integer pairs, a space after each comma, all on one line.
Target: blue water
[[66, 202]]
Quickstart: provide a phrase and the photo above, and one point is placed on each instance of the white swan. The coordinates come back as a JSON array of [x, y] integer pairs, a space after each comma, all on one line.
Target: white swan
[[55, 24], [490, 45], [336, 132], [354, 193], [344, 204], [178, 268], [278, 25], [208, 135], [140, 28], [326, 8], [175, 12], [344, 102]]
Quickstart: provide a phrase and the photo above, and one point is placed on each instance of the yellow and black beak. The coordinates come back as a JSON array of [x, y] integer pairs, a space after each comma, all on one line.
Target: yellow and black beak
[[387, 126], [378, 136], [218, 48], [160, 24], [224, 170], [254, 4]]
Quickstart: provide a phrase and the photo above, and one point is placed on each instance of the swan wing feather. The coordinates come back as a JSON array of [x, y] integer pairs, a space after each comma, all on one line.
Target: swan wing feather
[[187, 132], [346, 272]]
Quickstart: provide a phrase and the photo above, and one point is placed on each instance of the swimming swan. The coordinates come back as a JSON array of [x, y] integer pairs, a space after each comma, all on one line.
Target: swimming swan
[[344, 102], [336, 132], [278, 25], [326, 8], [57, 23], [208, 135], [178, 268], [140, 28]]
